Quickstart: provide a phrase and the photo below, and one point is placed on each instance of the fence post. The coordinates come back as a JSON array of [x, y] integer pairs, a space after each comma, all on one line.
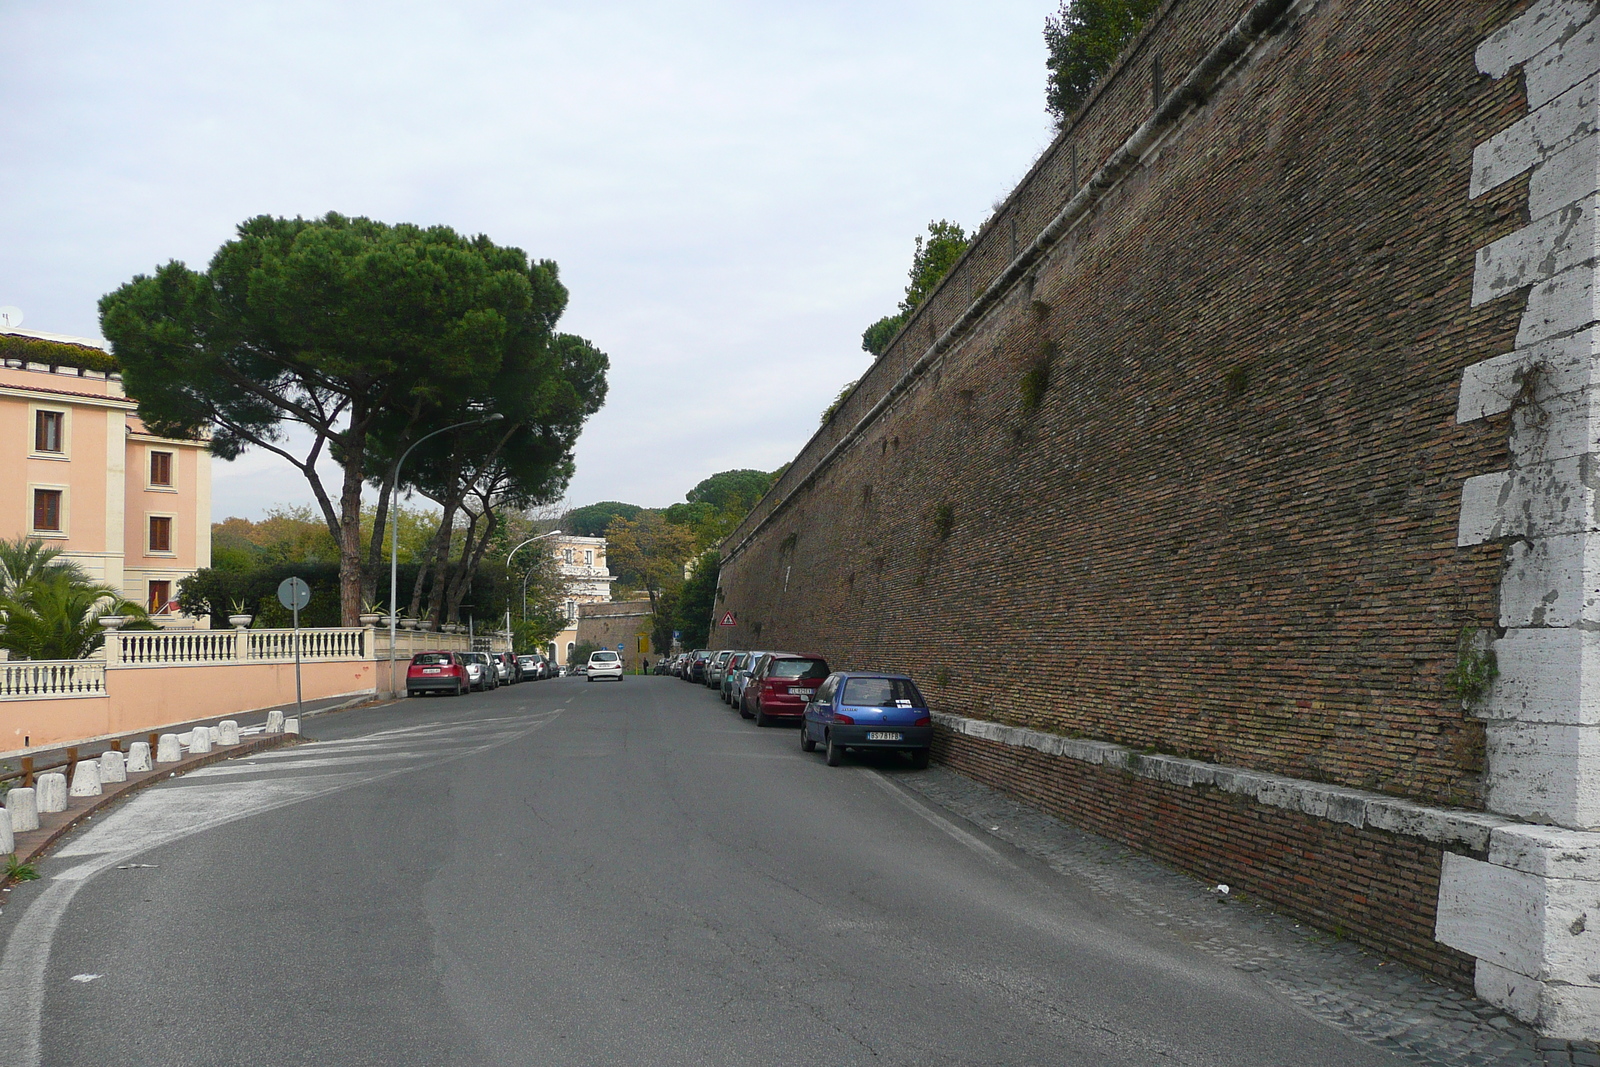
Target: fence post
[[72, 761], [27, 772], [113, 648]]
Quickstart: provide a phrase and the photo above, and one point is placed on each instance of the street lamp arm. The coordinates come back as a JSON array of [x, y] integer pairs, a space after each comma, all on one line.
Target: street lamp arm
[[394, 526], [529, 541]]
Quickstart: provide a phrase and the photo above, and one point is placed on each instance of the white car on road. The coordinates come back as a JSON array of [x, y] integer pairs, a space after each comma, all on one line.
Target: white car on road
[[604, 665]]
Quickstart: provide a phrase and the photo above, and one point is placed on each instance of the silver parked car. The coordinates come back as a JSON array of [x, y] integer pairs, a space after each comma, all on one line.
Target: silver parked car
[[481, 672], [741, 677]]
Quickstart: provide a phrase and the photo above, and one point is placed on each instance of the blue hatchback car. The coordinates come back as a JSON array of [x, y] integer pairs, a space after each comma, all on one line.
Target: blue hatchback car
[[863, 710]]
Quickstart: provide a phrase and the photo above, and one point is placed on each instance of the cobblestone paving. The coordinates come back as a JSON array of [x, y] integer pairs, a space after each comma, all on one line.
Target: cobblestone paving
[[1380, 1001]]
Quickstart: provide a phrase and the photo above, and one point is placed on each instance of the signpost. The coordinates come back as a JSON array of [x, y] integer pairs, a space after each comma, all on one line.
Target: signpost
[[294, 594]]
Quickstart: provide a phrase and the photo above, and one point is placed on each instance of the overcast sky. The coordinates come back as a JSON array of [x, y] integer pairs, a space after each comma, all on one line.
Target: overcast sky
[[731, 189]]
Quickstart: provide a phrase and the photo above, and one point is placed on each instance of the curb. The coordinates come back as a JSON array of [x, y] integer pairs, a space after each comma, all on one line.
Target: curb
[[34, 843]]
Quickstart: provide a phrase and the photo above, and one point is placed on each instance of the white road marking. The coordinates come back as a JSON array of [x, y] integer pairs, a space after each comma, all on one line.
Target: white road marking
[[86, 978], [159, 816], [972, 842]]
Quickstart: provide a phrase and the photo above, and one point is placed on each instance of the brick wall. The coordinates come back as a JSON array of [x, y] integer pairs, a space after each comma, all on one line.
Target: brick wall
[[1378, 888], [1225, 527]]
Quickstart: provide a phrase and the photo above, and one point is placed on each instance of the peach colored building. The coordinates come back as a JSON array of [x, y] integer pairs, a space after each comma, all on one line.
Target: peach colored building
[[84, 474]]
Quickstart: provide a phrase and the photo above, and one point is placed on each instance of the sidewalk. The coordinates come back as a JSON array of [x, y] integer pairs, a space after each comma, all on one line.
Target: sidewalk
[[1383, 1002]]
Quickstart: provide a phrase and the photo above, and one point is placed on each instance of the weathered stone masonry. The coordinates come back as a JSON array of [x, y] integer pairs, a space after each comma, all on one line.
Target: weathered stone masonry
[[1251, 400]]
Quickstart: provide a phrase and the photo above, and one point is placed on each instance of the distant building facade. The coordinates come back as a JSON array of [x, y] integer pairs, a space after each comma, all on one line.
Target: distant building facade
[[623, 626], [130, 507], [586, 580]]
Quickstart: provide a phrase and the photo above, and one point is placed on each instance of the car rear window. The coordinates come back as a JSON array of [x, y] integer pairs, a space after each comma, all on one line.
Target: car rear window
[[798, 668], [607, 656], [882, 693], [431, 659]]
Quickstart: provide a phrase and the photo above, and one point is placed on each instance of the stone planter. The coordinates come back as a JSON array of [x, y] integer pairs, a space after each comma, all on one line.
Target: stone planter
[[369, 618], [240, 622], [113, 622], [408, 624]]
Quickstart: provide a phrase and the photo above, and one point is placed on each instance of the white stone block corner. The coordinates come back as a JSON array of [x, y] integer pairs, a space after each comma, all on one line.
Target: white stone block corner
[[274, 722], [139, 756], [52, 792], [86, 779], [169, 749], [22, 805]]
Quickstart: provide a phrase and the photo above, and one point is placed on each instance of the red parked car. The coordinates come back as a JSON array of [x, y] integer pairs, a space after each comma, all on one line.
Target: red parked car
[[437, 672], [780, 686]]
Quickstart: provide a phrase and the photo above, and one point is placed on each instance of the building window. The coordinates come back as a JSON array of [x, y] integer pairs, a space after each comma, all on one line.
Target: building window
[[572, 610], [47, 427], [47, 510], [566, 555], [161, 468], [160, 533], [160, 598], [588, 557]]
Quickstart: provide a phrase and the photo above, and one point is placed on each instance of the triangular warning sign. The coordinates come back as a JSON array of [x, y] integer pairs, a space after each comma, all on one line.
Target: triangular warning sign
[[727, 619]]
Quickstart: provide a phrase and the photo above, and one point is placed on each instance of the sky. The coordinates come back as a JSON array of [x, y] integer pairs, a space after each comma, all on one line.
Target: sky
[[731, 189]]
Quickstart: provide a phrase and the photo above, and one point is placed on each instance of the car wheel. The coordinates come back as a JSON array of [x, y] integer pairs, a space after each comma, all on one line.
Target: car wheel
[[587, 678], [835, 753], [806, 744], [744, 712], [919, 759], [461, 690], [761, 717]]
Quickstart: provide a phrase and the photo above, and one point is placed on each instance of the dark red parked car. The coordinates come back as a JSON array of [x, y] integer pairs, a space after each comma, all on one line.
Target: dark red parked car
[[780, 686], [437, 672]]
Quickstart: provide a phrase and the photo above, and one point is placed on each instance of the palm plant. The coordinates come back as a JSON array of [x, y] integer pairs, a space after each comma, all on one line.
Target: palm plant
[[49, 608], [23, 559]]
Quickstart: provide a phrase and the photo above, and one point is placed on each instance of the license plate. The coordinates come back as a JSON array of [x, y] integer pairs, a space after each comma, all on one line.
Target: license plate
[[794, 692], [882, 735], [430, 670]]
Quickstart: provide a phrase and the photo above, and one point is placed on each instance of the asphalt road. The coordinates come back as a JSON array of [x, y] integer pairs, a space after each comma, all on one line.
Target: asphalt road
[[571, 873]]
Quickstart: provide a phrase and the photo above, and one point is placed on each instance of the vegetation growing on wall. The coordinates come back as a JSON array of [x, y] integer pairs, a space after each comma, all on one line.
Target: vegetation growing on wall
[[930, 262], [1083, 39]]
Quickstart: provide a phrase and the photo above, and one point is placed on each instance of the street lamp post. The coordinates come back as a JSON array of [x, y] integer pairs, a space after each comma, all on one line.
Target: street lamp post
[[394, 530], [513, 552]]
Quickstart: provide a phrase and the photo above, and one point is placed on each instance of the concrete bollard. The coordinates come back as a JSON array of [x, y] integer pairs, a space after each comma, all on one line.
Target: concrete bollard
[[139, 756], [291, 726], [274, 722], [86, 779], [113, 767], [200, 740], [23, 807], [169, 749], [8, 842], [52, 790], [186, 738], [214, 734], [227, 733]]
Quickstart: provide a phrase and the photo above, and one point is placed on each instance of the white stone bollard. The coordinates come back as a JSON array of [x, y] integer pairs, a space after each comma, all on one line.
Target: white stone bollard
[[200, 740], [227, 733], [113, 767], [169, 749], [8, 843], [186, 738], [86, 779], [214, 734], [274, 722], [52, 789], [139, 756], [291, 726], [23, 807]]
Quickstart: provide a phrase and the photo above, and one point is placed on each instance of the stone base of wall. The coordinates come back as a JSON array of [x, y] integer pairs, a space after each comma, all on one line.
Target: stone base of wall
[[1379, 889]]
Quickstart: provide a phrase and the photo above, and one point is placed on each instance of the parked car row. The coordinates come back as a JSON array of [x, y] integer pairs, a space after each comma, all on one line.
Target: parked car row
[[456, 673], [837, 711]]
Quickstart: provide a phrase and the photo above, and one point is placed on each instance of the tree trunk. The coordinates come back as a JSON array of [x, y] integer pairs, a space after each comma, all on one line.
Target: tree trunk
[[463, 580], [438, 556], [350, 569]]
